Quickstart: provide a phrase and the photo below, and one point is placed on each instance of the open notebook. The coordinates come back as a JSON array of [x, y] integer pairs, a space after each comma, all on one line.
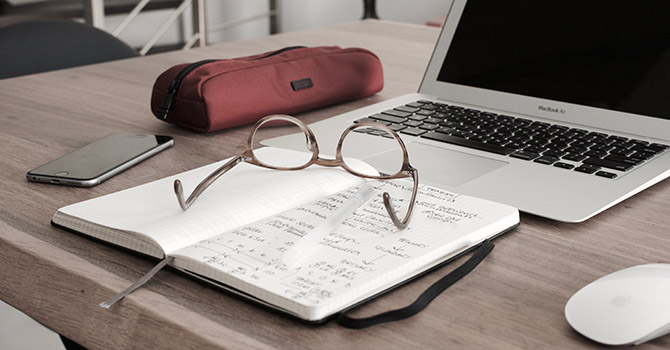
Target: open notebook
[[236, 233]]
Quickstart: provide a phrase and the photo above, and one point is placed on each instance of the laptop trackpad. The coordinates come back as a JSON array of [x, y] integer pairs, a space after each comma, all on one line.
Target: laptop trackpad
[[440, 166]]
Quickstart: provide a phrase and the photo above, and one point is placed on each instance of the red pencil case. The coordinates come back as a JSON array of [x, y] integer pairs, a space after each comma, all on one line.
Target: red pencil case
[[212, 95]]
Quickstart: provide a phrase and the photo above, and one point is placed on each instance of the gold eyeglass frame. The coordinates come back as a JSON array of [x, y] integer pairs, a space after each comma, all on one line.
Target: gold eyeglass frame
[[248, 157]]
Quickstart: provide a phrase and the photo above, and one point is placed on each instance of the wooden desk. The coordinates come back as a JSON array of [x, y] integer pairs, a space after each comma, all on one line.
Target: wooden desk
[[514, 299]]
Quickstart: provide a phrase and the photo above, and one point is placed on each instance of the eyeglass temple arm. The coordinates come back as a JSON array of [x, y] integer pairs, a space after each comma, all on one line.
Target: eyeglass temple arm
[[402, 224], [202, 186]]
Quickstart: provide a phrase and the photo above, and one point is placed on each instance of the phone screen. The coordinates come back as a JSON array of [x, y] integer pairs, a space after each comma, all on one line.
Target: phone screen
[[97, 161]]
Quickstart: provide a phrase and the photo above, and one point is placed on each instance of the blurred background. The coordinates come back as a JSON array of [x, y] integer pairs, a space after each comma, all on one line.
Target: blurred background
[[172, 24]]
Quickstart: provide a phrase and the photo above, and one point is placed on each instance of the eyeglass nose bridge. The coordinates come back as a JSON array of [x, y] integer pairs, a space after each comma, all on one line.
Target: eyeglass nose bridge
[[328, 162]]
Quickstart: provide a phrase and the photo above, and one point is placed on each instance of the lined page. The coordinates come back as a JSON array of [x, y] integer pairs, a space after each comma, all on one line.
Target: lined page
[[363, 256], [243, 195]]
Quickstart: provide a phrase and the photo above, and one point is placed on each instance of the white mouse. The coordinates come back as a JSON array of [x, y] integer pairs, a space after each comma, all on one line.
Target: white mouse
[[630, 306]]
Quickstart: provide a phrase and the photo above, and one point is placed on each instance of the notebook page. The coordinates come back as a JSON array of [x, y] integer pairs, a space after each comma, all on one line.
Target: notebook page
[[245, 194], [363, 256]]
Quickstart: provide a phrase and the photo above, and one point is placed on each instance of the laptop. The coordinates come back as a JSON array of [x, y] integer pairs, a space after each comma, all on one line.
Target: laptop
[[587, 83]]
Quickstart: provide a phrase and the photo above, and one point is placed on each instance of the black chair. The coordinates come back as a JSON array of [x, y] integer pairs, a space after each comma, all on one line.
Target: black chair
[[41, 46]]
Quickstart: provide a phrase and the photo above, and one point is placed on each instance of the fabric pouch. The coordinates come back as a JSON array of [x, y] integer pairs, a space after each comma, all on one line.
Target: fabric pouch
[[212, 95]]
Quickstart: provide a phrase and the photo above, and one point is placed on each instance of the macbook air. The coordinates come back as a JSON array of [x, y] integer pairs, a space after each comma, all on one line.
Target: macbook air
[[558, 108]]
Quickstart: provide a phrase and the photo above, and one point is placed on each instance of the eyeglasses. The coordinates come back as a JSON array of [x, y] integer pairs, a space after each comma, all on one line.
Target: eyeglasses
[[377, 130]]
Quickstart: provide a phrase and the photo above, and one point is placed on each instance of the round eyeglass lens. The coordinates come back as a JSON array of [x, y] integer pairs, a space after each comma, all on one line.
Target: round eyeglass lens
[[292, 134], [383, 159], [379, 150]]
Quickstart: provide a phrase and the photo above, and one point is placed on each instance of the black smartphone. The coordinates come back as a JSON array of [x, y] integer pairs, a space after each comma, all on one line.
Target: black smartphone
[[100, 160]]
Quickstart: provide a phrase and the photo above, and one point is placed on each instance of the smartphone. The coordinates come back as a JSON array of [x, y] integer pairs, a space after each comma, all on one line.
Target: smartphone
[[100, 160]]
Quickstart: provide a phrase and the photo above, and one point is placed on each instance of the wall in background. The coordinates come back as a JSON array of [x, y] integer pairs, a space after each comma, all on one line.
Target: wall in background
[[293, 15], [303, 14]]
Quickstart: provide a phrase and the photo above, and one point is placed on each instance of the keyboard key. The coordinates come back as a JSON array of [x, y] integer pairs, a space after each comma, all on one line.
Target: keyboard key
[[519, 138], [575, 157], [425, 112], [396, 113], [366, 130], [515, 145], [642, 155], [538, 142], [525, 132], [413, 123], [535, 149], [598, 134], [539, 126], [618, 138], [522, 121], [582, 143], [418, 117], [467, 128], [407, 109], [366, 119], [389, 118], [596, 153], [446, 130], [413, 131], [497, 141], [505, 117], [449, 123], [623, 159], [606, 174], [622, 144], [563, 165], [602, 140], [587, 168], [554, 153], [461, 134], [432, 120], [602, 147], [376, 132], [397, 127], [576, 149], [426, 126], [562, 139], [558, 146], [480, 138], [525, 155], [608, 164], [648, 148], [548, 160], [622, 151], [468, 143]]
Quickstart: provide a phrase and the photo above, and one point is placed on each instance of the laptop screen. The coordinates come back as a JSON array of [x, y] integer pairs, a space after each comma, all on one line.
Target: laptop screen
[[606, 54]]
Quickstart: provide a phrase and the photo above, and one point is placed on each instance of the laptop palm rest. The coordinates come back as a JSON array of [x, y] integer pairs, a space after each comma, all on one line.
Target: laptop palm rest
[[439, 166]]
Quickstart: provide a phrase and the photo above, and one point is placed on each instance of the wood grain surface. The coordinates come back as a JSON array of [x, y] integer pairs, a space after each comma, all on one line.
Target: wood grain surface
[[514, 300]]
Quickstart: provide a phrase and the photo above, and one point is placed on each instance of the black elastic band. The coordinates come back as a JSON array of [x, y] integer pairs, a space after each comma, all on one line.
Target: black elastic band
[[424, 299]]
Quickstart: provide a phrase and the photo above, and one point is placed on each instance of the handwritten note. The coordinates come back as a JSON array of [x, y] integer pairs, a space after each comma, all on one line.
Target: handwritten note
[[365, 254]]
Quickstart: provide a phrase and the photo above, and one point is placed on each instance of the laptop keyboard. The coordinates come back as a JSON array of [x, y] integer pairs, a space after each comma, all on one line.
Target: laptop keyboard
[[534, 141]]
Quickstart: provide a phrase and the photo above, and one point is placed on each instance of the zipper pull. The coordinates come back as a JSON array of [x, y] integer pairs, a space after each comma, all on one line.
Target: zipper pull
[[166, 105]]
